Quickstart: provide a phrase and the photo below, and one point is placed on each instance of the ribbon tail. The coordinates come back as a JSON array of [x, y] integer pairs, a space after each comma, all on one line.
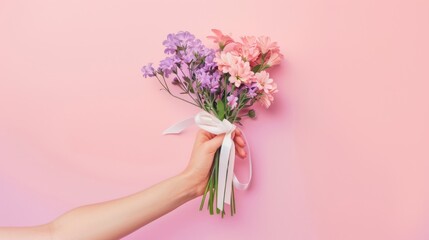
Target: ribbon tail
[[237, 184], [179, 127], [230, 174], [223, 168]]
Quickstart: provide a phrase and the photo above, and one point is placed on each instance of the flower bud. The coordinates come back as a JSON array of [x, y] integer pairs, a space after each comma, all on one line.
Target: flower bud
[[175, 81], [251, 113]]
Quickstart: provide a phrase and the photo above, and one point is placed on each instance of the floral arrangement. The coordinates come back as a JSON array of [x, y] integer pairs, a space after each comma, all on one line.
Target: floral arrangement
[[225, 82]]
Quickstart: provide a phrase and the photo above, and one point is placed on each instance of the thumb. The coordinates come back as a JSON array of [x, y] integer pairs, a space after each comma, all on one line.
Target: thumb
[[214, 143]]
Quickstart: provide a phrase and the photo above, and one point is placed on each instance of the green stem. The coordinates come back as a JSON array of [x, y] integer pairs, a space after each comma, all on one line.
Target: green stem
[[187, 90], [204, 196], [211, 197], [233, 210], [211, 186], [165, 87], [168, 90]]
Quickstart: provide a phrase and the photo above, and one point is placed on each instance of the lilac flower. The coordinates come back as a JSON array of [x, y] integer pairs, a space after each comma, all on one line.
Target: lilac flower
[[232, 101], [148, 71], [180, 41], [170, 44], [209, 80], [168, 65], [203, 78], [214, 83], [188, 49], [192, 62], [209, 60], [214, 86], [188, 58], [252, 90], [185, 38]]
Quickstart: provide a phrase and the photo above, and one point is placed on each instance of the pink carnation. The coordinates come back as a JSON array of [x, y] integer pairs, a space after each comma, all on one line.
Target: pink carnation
[[264, 82], [265, 45], [267, 87], [239, 70], [225, 60], [220, 38], [266, 99], [274, 59], [249, 49], [240, 73]]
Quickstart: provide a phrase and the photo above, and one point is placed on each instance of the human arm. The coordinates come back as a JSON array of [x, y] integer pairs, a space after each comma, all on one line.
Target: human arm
[[117, 218]]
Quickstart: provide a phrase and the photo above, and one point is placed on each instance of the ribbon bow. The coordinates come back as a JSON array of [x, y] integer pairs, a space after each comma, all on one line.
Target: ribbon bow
[[226, 176]]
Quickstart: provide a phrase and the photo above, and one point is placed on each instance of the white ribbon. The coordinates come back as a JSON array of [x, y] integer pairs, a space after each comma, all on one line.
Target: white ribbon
[[226, 176]]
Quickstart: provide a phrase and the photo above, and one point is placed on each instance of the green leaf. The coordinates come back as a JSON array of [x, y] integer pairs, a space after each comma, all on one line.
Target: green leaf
[[220, 107], [264, 67], [256, 68]]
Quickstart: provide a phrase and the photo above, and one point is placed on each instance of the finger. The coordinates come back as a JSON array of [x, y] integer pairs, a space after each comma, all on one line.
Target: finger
[[238, 132], [239, 141], [203, 136], [240, 151], [214, 143]]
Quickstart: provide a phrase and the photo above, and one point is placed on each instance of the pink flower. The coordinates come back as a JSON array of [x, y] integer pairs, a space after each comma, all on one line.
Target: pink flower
[[225, 60], [220, 38], [267, 88], [249, 49], [249, 40], [238, 69], [232, 101], [264, 82], [265, 45], [233, 48], [240, 73], [274, 59], [266, 99]]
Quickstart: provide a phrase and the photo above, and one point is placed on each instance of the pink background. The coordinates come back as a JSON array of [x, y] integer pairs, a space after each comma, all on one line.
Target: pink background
[[342, 154]]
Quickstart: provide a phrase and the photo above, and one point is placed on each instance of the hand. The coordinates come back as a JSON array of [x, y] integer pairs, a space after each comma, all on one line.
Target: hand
[[202, 156]]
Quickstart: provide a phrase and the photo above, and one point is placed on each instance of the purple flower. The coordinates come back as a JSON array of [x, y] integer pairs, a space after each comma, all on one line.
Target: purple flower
[[185, 47], [179, 41], [209, 80], [148, 71], [168, 65], [209, 59], [203, 78], [188, 58], [214, 83], [252, 90], [185, 37], [232, 101], [170, 44]]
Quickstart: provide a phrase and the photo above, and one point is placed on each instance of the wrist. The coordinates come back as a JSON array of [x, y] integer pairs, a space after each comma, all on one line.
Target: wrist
[[191, 186]]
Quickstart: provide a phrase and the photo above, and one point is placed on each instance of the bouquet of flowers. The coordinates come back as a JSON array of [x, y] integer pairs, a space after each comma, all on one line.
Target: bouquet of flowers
[[224, 82]]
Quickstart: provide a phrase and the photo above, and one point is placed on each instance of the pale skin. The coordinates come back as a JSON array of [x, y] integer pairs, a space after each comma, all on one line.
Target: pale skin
[[114, 219]]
